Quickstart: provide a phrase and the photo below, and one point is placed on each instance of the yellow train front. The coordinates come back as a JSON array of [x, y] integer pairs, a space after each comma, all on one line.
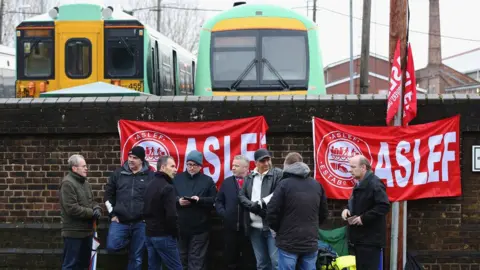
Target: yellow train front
[[78, 44]]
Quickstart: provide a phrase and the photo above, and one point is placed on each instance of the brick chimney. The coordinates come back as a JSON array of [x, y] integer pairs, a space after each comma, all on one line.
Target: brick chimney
[[434, 39]]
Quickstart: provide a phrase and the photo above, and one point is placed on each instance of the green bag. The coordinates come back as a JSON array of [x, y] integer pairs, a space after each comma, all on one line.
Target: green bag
[[337, 238]]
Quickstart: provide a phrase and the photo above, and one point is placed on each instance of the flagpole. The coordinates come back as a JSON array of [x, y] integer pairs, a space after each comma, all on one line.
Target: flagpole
[[398, 31]]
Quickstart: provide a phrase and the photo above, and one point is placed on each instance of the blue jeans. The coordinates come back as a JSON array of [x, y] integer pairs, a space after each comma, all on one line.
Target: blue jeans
[[76, 253], [121, 234], [163, 250], [264, 248], [289, 261]]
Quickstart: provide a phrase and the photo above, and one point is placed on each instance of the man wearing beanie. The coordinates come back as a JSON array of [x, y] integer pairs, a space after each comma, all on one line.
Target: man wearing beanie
[[196, 194], [124, 200], [254, 196]]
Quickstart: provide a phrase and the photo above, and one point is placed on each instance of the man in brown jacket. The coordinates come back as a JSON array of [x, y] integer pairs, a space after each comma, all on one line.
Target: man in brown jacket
[[78, 211]]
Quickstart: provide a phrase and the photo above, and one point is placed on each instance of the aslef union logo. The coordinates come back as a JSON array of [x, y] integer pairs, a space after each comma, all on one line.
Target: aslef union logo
[[333, 154], [156, 144]]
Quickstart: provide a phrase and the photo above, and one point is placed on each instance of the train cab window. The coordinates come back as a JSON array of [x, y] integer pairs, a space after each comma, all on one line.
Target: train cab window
[[78, 58], [290, 66], [121, 60], [38, 60]]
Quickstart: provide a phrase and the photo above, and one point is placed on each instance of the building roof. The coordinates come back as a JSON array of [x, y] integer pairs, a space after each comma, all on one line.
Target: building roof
[[464, 62], [355, 57]]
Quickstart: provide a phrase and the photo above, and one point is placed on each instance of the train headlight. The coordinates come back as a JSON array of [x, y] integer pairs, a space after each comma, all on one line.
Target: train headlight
[[107, 12], [53, 13]]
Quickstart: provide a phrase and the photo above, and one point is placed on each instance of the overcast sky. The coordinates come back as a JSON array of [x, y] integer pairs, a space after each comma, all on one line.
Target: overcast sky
[[459, 24]]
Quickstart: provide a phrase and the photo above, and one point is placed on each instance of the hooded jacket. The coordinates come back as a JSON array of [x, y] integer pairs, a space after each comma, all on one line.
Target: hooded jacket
[[125, 190], [297, 209]]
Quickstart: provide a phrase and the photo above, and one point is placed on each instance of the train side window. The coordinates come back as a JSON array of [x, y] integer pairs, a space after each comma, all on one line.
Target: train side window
[[159, 86], [175, 73], [193, 74], [78, 58]]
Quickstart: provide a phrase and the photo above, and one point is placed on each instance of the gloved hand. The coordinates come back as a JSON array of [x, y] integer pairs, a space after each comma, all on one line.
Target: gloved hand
[[97, 213], [256, 208]]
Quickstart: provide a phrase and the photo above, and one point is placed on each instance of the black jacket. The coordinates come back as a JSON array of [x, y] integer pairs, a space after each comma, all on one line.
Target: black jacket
[[195, 218], [297, 209], [227, 204], [369, 200], [269, 183], [160, 210], [125, 190]]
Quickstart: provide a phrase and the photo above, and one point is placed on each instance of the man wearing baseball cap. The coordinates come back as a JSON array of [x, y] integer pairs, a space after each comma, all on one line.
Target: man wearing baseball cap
[[254, 196], [124, 201]]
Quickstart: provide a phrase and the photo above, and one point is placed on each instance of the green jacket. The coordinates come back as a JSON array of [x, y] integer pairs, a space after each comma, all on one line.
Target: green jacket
[[76, 205]]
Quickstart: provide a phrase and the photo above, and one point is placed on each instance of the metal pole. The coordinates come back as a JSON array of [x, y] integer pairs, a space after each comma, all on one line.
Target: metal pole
[[2, 4], [365, 56], [159, 10], [404, 234], [352, 91]]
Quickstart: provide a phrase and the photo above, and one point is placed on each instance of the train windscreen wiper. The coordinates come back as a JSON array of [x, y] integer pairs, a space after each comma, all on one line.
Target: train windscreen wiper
[[32, 48], [127, 47], [275, 72], [244, 74]]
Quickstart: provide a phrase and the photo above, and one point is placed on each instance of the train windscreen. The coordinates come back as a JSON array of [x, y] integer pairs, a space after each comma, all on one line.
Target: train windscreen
[[35, 56], [123, 58], [259, 59]]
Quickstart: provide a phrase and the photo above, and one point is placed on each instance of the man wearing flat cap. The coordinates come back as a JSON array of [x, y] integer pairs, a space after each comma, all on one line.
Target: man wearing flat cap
[[196, 194], [124, 201], [254, 196]]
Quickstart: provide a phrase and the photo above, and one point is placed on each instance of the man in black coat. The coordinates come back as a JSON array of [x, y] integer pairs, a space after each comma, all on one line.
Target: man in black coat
[[124, 201], [161, 218], [295, 212], [228, 207], [196, 194], [366, 213]]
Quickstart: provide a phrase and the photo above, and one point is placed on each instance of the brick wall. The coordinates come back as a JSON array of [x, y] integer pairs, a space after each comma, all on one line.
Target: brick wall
[[37, 137]]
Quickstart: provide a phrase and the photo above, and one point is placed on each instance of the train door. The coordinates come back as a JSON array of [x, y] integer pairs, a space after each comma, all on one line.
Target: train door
[[80, 44]]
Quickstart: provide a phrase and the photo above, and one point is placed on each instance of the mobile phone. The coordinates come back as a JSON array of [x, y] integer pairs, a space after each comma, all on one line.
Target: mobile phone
[[190, 199]]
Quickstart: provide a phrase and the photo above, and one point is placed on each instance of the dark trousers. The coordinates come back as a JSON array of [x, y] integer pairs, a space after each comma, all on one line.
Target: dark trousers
[[236, 243], [193, 251], [163, 250], [122, 234], [76, 253], [367, 257]]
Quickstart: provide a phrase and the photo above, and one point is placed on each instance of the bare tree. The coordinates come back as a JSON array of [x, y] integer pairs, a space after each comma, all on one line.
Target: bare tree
[[181, 21], [15, 11]]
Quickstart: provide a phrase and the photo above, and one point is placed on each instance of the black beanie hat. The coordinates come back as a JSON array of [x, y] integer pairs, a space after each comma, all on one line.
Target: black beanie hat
[[138, 151]]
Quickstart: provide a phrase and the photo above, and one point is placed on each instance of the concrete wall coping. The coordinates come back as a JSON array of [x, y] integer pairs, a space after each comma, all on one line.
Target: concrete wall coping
[[152, 100]]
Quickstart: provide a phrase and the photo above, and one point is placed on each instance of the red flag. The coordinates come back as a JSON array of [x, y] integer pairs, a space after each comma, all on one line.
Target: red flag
[[410, 96], [395, 86]]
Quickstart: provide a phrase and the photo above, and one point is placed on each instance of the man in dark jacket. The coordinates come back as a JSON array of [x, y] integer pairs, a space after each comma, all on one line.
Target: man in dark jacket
[[124, 200], [229, 209], [366, 213], [195, 196], [78, 210], [254, 196], [295, 212], [160, 212]]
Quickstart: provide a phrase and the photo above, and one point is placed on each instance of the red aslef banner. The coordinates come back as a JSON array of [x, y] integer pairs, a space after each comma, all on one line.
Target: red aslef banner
[[219, 141], [415, 162]]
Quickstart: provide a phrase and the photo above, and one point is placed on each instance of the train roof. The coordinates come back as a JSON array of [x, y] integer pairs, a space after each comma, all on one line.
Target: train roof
[[251, 10], [82, 12], [93, 12]]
